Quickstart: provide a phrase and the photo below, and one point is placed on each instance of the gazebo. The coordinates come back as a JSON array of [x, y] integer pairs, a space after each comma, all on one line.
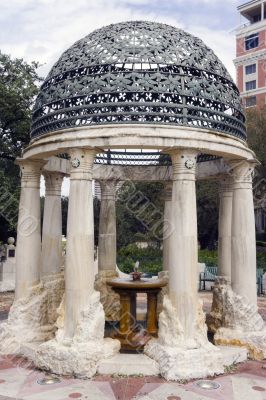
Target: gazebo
[[155, 88]]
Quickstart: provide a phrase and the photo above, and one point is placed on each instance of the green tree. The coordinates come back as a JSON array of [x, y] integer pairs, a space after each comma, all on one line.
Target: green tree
[[256, 130], [18, 88], [139, 209], [207, 210]]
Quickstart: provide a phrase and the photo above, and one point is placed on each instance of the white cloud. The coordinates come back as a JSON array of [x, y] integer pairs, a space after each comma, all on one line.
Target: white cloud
[[41, 30]]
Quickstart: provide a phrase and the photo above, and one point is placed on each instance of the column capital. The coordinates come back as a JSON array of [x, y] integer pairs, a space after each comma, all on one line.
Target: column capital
[[81, 163], [108, 189], [184, 164], [242, 172], [53, 183], [31, 170]]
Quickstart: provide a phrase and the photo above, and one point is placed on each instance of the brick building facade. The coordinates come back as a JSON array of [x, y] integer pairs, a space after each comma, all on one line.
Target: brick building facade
[[250, 59]]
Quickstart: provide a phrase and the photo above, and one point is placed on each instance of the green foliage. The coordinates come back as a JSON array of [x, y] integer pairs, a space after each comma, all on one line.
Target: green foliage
[[256, 129], [139, 210], [209, 257], [18, 88], [96, 213], [208, 213], [261, 260], [261, 244], [150, 259]]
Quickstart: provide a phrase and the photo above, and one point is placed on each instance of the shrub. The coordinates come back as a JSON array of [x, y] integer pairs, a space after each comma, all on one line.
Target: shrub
[[150, 259], [209, 257], [261, 244]]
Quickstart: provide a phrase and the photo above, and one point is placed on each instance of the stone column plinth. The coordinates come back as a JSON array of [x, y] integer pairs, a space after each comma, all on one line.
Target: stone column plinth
[[234, 318], [79, 269], [51, 257], [243, 275], [183, 255], [107, 251], [182, 348], [28, 230], [225, 228]]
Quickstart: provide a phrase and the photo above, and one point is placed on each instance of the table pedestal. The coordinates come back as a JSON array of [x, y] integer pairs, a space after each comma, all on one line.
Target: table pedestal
[[131, 334]]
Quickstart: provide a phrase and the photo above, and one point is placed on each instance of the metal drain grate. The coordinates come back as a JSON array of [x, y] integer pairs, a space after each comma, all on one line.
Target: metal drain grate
[[208, 385], [48, 380]]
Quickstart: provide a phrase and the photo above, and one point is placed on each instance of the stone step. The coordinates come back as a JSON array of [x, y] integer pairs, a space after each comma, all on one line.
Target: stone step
[[129, 364]]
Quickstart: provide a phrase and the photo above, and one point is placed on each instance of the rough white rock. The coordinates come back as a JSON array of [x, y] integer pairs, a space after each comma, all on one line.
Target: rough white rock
[[236, 322], [32, 318], [79, 356], [180, 357], [109, 299]]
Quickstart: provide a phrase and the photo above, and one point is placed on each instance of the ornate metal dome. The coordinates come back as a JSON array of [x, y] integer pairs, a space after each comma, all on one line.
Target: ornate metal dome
[[139, 72]]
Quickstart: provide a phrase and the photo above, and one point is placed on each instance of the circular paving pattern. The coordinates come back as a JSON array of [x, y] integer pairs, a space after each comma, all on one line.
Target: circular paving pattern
[[258, 388], [173, 398], [2, 381], [75, 395]]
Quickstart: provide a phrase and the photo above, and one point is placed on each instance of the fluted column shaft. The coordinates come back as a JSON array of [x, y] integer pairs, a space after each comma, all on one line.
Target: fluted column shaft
[[79, 269], [28, 230], [225, 228], [107, 227], [243, 232], [168, 225], [51, 258], [183, 260]]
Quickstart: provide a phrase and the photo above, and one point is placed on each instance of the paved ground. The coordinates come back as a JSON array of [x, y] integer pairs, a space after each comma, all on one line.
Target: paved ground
[[19, 380]]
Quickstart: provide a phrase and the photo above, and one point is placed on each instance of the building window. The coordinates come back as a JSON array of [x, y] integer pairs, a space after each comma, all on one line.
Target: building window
[[252, 41], [250, 69], [257, 18], [251, 85], [251, 101]]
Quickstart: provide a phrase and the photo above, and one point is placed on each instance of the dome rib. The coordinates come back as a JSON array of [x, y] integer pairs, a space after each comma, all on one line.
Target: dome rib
[[139, 72]]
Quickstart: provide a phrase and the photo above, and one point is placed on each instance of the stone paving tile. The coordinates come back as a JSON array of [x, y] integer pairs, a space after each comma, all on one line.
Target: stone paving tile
[[247, 383]]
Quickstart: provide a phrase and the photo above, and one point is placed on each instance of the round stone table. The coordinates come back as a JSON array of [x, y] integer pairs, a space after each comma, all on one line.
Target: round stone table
[[131, 333]]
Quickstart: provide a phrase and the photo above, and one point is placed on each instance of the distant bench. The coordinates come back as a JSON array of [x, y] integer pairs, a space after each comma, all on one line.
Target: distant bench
[[210, 275]]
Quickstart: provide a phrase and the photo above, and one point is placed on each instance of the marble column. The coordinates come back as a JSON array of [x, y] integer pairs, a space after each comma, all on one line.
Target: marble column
[[107, 251], [28, 230], [51, 257], [183, 255], [107, 227], [168, 225], [243, 264], [79, 269], [225, 227]]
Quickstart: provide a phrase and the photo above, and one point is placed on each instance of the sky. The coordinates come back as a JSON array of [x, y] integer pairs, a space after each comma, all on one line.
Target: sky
[[40, 30]]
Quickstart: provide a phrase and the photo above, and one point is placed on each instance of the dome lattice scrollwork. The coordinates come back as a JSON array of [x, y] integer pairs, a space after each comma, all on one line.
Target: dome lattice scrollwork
[[139, 72]]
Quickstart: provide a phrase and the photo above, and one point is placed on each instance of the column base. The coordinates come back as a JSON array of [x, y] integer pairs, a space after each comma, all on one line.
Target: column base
[[32, 318], [79, 356], [236, 322], [109, 299], [186, 358]]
